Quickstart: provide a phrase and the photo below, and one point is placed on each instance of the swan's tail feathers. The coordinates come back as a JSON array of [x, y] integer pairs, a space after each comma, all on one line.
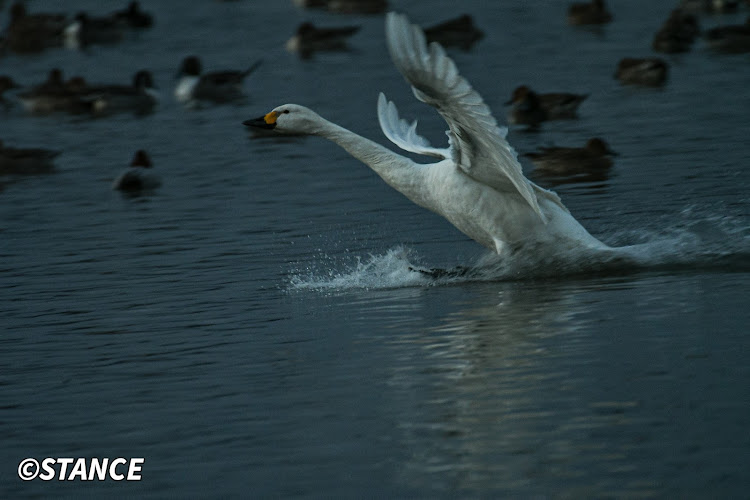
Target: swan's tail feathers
[[403, 134]]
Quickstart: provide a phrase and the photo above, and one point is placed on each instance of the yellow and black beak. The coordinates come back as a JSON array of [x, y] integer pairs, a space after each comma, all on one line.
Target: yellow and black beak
[[267, 122]]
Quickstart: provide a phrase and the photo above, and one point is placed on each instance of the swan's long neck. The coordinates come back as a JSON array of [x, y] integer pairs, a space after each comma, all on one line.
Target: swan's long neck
[[398, 171]]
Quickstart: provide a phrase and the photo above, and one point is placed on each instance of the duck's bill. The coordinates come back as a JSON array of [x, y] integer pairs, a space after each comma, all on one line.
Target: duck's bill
[[260, 122]]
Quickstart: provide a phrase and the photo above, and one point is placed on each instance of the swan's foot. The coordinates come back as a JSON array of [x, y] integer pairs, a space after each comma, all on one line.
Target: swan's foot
[[437, 273]]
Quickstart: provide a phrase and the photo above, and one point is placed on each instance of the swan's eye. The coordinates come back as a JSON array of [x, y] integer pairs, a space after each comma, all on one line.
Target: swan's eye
[[286, 111]]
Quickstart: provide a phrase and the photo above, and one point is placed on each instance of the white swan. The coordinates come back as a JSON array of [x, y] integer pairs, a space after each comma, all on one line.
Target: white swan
[[478, 184]]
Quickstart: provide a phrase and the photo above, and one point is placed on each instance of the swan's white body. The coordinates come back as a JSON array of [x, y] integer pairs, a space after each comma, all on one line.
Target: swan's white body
[[478, 184]]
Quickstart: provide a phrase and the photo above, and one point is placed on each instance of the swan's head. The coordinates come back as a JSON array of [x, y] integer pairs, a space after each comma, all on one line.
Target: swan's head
[[287, 119]]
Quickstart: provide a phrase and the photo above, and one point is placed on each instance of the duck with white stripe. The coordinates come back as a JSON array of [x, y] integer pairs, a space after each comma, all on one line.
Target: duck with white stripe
[[218, 86]]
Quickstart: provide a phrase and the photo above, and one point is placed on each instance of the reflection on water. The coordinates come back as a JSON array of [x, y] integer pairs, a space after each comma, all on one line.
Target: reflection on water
[[523, 388], [487, 364]]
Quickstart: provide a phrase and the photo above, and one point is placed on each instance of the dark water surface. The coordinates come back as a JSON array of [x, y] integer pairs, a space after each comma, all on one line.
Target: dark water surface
[[252, 329]]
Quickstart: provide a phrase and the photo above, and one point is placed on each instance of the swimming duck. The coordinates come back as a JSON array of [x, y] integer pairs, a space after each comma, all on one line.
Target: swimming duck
[[139, 98], [86, 30], [55, 95], [26, 161], [133, 16], [309, 39], [218, 86], [593, 12], [733, 38], [33, 32], [530, 108], [477, 183], [650, 72], [593, 157], [137, 177], [677, 34], [459, 32]]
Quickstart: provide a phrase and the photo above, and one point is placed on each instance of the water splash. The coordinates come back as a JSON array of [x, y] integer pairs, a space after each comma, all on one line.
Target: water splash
[[718, 243], [393, 269]]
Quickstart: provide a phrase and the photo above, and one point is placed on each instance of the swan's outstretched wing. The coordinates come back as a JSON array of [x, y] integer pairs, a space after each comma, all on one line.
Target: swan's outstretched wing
[[403, 134], [478, 145]]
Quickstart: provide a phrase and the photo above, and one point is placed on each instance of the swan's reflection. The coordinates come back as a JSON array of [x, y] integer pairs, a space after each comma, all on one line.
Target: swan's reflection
[[491, 395]]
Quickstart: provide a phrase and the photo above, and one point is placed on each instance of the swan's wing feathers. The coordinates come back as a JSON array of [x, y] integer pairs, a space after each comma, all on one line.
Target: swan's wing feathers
[[550, 195], [403, 134], [478, 145]]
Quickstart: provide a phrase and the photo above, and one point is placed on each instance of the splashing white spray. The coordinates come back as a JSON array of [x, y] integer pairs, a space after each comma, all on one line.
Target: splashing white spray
[[718, 243]]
